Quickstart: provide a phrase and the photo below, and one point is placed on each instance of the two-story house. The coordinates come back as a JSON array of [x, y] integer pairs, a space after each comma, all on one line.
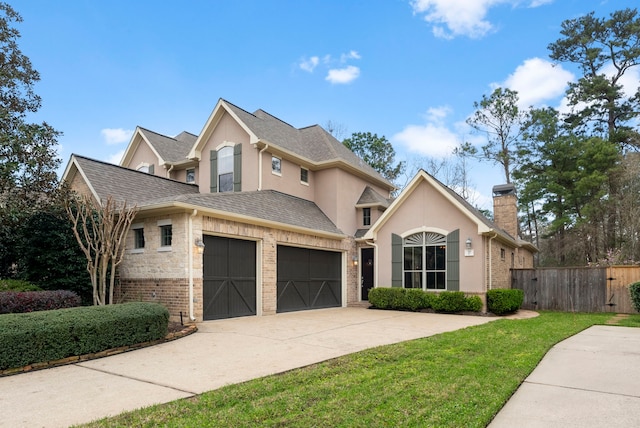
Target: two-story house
[[254, 216]]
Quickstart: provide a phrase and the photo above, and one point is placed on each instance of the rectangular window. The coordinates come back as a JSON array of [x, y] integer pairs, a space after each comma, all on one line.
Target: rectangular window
[[276, 165], [165, 235], [366, 216], [225, 169], [304, 175], [502, 253], [138, 238], [191, 175]]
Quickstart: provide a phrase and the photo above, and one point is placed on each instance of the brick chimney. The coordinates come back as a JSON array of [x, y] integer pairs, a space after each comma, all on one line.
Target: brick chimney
[[505, 208]]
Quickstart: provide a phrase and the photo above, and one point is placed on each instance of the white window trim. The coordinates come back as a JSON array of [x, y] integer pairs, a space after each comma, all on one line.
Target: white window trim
[[273, 171], [186, 176], [160, 223], [225, 144], [305, 183], [424, 261], [135, 250]]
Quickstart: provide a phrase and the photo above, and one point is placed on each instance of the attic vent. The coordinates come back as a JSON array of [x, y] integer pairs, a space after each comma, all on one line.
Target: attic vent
[[504, 189]]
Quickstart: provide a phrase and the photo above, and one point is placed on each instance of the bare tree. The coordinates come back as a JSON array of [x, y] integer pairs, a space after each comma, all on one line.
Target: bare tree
[[101, 230], [338, 130]]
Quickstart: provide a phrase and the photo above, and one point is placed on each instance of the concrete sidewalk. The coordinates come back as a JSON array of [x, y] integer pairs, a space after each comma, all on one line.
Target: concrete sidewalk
[[220, 353], [589, 380]]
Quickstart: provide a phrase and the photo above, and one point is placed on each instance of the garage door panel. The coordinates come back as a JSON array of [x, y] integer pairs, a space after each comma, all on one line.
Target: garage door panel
[[229, 283], [308, 279]]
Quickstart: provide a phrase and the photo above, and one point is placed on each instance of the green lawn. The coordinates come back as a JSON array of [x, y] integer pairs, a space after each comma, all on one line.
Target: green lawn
[[631, 321], [457, 379]]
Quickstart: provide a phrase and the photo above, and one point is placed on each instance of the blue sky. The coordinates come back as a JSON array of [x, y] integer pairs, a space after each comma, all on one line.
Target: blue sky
[[408, 70]]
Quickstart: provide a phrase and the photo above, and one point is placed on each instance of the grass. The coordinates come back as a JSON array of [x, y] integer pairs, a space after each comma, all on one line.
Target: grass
[[631, 321], [461, 378]]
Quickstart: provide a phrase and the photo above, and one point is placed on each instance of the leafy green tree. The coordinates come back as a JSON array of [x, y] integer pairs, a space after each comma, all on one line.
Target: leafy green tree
[[377, 152], [499, 117], [49, 255], [28, 158], [604, 49]]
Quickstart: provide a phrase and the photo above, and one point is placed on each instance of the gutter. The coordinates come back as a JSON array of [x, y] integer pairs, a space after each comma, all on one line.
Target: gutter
[[266, 146], [190, 264]]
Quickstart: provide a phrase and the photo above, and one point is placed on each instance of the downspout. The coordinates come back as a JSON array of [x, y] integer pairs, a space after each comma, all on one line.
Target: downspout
[[490, 263], [260, 166], [190, 264], [169, 171]]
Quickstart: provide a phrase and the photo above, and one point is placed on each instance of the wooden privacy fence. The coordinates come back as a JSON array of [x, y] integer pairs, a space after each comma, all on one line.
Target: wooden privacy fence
[[580, 289]]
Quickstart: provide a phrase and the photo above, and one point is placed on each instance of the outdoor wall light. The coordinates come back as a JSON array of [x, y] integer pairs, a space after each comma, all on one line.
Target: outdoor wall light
[[468, 243], [355, 260], [199, 245]]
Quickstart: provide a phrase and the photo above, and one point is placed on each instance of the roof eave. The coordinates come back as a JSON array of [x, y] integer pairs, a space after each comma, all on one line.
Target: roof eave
[[182, 206]]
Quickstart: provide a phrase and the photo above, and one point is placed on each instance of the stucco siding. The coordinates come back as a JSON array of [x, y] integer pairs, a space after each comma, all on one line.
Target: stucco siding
[[428, 210], [288, 181], [143, 155]]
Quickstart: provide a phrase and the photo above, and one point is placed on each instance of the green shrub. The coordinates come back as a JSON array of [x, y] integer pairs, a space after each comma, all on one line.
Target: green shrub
[[450, 302], [416, 299], [51, 335], [504, 301], [634, 290], [17, 285], [474, 304], [13, 302]]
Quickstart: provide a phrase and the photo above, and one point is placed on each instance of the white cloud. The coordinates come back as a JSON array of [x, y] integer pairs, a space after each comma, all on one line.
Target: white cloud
[[451, 18], [343, 75], [538, 81], [432, 139], [350, 55], [116, 135], [309, 64], [116, 158]]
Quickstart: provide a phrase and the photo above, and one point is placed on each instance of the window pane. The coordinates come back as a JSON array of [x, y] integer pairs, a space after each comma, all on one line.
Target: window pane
[[441, 254], [276, 165], [412, 280], [191, 176], [440, 283], [366, 216], [304, 175], [165, 236], [431, 280], [138, 238], [431, 258], [225, 160], [226, 183]]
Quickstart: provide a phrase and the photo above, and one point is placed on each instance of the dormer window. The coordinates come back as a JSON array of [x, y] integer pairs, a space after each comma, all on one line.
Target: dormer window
[[276, 165], [145, 167], [366, 216]]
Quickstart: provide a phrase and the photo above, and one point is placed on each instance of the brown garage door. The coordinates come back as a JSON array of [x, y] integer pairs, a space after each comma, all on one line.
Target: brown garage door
[[308, 279], [229, 278]]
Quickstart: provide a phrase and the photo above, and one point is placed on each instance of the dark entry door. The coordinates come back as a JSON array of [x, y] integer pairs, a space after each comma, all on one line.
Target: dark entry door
[[308, 279], [229, 278], [366, 272]]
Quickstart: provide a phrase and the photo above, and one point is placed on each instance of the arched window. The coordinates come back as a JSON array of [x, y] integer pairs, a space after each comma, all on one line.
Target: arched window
[[425, 261]]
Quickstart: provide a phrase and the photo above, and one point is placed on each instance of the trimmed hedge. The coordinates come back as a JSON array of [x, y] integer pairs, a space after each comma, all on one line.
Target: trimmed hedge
[[504, 301], [13, 302], [411, 299], [52, 335], [634, 290], [17, 285]]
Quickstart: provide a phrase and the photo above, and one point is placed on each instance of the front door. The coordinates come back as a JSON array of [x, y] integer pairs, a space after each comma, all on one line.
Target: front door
[[366, 271]]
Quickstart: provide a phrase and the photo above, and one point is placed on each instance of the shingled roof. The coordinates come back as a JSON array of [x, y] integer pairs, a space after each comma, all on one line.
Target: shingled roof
[[269, 205], [370, 197], [124, 184], [312, 142], [172, 150], [146, 190]]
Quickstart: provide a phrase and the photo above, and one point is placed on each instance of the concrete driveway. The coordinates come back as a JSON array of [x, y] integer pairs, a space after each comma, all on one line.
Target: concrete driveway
[[220, 353]]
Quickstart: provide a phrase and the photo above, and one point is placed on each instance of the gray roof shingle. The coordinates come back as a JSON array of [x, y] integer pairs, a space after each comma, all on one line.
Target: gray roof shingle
[[172, 150], [145, 190], [370, 197], [268, 205], [312, 142], [129, 185]]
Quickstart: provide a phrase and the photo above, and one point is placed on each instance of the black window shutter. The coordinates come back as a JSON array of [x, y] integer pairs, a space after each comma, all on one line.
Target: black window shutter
[[151, 169], [214, 171], [453, 261], [396, 260], [237, 168]]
